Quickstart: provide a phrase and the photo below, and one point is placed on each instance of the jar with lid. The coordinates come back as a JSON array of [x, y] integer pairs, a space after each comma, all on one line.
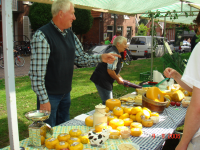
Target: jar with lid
[[100, 115]]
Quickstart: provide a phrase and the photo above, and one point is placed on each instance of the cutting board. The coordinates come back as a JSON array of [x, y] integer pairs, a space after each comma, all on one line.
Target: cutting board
[[133, 95]]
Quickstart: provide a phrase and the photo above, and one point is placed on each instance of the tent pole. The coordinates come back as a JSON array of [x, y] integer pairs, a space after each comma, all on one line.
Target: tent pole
[[152, 28], [9, 73], [164, 35]]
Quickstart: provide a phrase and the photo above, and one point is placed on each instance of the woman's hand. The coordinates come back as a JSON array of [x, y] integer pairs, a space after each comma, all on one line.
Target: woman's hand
[[170, 73]]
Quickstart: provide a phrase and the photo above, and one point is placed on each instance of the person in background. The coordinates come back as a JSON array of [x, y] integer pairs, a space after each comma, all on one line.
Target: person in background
[[118, 33], [195, 40], [105, 74], [190, 81], [107, 42], [54, 51]]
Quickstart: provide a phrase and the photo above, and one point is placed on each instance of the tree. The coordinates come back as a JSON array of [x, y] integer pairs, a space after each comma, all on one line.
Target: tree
[[142, 30], [39, 15], [144, 21], [83, 22]]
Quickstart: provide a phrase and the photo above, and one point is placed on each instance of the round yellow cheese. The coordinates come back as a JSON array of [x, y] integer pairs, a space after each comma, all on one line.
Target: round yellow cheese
[[135, 110], [62, 145], [133, 117], [118, 111], [75, 132], [136, 131], [116, 122], [136, 125], [123, 116], [147, 122], [127, 121], [73, 139], [100, 126], [76, 146], [89, 121], [114, 134], [111, 103], [63, 137], [84, 138], [127, 109], [50, 143], [110, 117], [154, 114], [120, 128]]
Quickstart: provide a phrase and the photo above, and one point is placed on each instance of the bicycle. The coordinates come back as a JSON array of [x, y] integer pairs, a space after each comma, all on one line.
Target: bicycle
[[19, 61], [128, 58]]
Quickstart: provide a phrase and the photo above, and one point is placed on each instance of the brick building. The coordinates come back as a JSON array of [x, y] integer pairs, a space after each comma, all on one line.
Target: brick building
[[103, 26]]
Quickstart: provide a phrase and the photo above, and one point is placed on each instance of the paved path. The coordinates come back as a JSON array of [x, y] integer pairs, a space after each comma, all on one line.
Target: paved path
[[19, 71]]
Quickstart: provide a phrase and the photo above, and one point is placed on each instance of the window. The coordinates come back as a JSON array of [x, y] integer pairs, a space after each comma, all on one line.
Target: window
[[138, 40], [112, 16], [120, 28], [126, 17], [128, 33], [110, 32]]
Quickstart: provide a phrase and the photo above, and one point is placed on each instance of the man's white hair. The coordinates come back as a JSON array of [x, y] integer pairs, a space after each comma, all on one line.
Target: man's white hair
[[119, 39], [58, 5]]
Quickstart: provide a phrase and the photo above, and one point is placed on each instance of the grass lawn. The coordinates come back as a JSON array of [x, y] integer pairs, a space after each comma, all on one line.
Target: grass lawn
[[84, 95]]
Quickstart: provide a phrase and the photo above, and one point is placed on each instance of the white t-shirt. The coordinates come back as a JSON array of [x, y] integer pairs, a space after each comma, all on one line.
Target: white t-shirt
[[191, 75]]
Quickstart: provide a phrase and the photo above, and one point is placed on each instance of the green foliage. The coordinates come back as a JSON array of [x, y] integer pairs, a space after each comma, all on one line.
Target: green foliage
[[142, 30], [39, 15], [143, 21], [83, 22]]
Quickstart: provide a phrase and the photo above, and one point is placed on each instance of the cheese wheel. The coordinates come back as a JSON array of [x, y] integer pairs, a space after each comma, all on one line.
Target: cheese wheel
[[154, 114], [155, 119], [135, 110], [62, 145], [111, 103], [120, 128], [75, 132], [84, 138], [100, 126], [118, 111], [133, 117], [107, 110], [114, 134], [147, 122], [73, 139], [110, 117], [42, 140], [50, 143], [127, 121], [116, 122], [136, 131], [140, 116], [123, 116], [146, 114], [76, 146], [127, 109], [89, 121], [63, 137], [136, 125]]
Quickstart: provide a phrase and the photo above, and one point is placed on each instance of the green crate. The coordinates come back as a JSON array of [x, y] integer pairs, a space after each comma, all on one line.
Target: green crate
[[145, 76]]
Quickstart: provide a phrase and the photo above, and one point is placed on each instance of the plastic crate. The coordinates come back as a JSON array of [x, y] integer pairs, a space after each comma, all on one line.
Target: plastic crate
[[145, 76]]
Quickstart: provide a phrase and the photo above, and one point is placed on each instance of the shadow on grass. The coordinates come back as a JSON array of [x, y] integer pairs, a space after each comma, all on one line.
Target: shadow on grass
[[4, 138]]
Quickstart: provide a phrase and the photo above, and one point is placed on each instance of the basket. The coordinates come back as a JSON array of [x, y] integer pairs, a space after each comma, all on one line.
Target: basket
[[153, 105]]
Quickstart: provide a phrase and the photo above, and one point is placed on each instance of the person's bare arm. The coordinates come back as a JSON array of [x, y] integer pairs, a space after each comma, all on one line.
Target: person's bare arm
[[171, 73], [192, 120], [115, 76]]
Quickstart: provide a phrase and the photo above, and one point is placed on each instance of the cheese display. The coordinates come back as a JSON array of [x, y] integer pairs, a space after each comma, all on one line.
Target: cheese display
[[61, 145], [114, 134], [84, 138], [63, 137], [75, 132], [89, 121], [76, 146], [127, 121], [118, 111], [136, 125], [147, 122], [136, 131], [154, 93], [50, 143], [73, 139], [111, 103], [116, 122], [100, 126]]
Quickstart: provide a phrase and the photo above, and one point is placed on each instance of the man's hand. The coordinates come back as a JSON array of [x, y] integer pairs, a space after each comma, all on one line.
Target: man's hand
[[109, 57], [120, 81], [46, 106]]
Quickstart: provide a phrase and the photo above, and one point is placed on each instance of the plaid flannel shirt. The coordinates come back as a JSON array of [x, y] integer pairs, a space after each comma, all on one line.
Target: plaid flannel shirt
[[40, 52]]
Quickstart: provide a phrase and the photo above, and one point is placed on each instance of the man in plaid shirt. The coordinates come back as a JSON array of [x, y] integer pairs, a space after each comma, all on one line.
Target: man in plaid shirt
[[54, 51]]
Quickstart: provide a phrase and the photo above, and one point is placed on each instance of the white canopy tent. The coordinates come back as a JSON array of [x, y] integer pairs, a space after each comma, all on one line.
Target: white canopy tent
[[126, 7]]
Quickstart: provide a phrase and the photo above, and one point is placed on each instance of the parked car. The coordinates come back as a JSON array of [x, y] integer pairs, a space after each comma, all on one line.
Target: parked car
[[99, 49], [185, 47], [140, 47]]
